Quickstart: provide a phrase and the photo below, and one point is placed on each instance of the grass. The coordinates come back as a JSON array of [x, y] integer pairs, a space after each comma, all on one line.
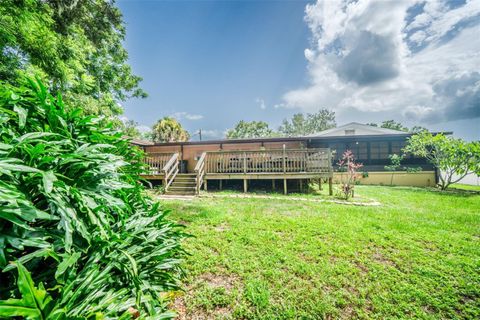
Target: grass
[[417, 255], [461, 186]]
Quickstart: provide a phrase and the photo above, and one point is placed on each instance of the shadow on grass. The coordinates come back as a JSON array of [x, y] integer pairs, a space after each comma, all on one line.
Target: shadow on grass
[[451, 191], [188, 212]]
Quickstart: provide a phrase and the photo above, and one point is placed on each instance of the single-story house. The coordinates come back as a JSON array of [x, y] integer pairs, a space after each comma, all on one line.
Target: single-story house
[[370, 145]]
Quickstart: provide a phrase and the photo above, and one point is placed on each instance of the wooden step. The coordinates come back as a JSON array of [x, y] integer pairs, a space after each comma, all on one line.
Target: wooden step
[[179, 188], [183, 184], [184, 180]]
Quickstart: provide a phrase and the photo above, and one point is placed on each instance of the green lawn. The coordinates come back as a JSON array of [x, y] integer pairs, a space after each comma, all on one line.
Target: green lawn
[[416, 255]]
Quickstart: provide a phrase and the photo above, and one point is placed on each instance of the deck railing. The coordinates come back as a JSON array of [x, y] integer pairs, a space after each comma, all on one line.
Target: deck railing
[[156, 161], [200, 172], [170, 170], [269, 161]]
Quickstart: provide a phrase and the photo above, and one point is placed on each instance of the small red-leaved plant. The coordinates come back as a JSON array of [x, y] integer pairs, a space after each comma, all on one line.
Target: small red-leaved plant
[[347, 181]]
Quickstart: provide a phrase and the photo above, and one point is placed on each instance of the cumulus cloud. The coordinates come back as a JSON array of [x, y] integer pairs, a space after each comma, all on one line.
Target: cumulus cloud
[[413, 58], [261, 103], [185, 115]]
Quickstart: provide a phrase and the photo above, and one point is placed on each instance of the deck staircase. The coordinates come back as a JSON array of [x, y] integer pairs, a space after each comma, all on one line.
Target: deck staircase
[[184, 184]]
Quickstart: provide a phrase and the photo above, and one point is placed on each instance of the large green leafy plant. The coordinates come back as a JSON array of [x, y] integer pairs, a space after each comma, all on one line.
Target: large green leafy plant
[[78, 237]]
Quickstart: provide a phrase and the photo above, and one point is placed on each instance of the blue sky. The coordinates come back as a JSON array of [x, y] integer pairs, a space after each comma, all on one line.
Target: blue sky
[[213, 63]]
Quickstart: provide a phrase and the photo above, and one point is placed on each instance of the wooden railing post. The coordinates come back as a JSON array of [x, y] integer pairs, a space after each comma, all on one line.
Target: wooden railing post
[[244, 162]]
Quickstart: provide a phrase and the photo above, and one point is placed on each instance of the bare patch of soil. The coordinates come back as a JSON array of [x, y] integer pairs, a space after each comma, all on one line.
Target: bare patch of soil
[[222, 227], [228, 282], [380, 258]]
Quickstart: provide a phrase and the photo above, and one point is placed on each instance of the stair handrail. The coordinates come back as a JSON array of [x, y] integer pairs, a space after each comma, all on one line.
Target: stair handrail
[[170, 170], [200, 172]]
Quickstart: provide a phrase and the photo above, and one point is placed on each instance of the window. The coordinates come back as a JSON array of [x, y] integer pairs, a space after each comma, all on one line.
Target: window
[[339, 149], [397, 147], [378, 150], [360, 151]]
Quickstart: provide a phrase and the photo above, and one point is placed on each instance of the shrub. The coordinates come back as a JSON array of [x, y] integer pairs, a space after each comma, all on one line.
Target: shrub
[[348, 165], [74, 221]]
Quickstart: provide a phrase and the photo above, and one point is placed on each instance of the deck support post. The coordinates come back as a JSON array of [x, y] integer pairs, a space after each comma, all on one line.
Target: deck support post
[[284, 186], [301, 185], [320, 184], [273, 184], [205, 184], [330, 186], [245, 185], [221, 184]]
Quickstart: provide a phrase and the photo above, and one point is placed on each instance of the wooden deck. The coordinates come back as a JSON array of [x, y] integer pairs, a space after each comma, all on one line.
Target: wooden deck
[[281, 164]]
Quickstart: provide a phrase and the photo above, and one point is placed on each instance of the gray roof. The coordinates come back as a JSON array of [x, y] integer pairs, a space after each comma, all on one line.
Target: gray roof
[[141, 142], [356, 129]]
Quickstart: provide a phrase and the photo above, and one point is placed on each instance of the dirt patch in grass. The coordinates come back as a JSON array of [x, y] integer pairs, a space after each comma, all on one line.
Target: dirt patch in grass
[[361, 267], [222, 227], [380, 258], [226, 282], [360, 202], [199, 314]]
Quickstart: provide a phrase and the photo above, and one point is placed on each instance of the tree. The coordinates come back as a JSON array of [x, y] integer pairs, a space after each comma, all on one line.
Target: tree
[[372, 124], [395, 163], [417, 129], [76, 46], [130, 129], [394, 125], [301, 125], [252, 129], [451, 156], [169, 129]]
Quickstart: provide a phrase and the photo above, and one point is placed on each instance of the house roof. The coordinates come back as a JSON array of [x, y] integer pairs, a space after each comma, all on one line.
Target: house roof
[[356, 129], [353, 129], [140, 142]]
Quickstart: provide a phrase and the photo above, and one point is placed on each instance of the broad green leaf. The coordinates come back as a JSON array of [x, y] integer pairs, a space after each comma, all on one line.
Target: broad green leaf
[[4, 146], [22, 115], [41, 253], [8, 216], [34, 301], [15, 166], [33, 136], [66, 263], [48, 180], [3, 259]]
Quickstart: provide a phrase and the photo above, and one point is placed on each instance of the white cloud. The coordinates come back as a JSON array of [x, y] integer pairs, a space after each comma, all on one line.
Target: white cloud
[[360, 59], [439, 19], [261, 102], [185, 115]]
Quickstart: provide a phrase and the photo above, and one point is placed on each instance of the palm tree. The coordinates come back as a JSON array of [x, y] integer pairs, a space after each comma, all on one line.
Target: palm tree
[[169, 129]]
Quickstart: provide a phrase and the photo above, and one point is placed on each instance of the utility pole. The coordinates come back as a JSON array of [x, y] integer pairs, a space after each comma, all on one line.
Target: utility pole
[[199, 132]]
